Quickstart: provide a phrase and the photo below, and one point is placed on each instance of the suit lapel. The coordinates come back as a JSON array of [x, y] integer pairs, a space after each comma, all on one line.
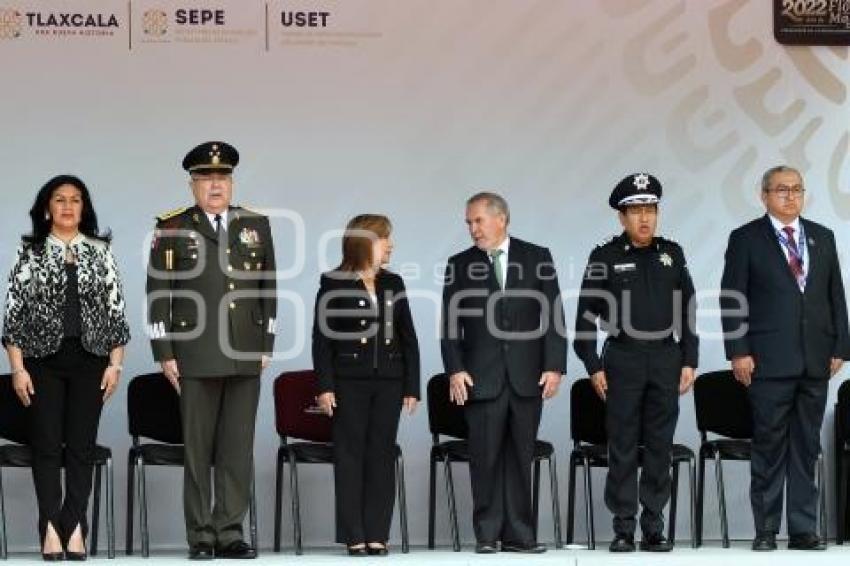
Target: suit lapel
[[812, 253], [778, 253], [202, 224], [234, 226], [482, 256], [515, 263]]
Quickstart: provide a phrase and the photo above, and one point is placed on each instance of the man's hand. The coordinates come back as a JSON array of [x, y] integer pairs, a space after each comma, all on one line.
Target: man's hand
[[265, 361], [327, 402], [550, 381], [169, 368], [600, 384], [686, 380], [743, 368], [410, 404], [835, 365], [458, 383]]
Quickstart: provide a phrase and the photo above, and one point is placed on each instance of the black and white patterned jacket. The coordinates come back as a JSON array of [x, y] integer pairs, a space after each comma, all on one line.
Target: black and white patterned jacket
[[35, 300]]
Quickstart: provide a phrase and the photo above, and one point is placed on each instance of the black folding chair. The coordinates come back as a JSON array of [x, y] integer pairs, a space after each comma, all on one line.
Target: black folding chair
[[17, 454], [153, 411], [723, 409], [590, 450], [447, 419]]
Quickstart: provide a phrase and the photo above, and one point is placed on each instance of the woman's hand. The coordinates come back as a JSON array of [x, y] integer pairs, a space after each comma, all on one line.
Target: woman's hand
[[22, 383], [327, 402], [109, 381], [410, 404]]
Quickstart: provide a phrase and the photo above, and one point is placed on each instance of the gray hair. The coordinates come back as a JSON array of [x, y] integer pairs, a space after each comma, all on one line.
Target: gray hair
[[768, 175], [496, 204]]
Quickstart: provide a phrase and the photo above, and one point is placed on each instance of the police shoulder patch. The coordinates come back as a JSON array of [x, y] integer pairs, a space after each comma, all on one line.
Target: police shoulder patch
[[172, 213]]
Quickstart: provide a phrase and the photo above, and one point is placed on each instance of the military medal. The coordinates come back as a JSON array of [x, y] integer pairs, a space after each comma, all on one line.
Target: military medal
[[665, 259]]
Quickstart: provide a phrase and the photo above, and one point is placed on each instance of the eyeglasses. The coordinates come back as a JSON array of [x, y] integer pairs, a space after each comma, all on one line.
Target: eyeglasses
[[785, 191], [212, 177]]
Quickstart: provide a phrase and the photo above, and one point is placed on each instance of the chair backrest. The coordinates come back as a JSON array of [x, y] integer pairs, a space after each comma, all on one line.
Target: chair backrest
[[444, 417], [842, 411], [14, 417], [153, 409], [296, 413], [722, 405], [587, 414]]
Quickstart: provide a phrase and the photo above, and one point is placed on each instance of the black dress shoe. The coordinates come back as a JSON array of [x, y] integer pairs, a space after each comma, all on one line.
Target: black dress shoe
[[764, 542], [655, 542], [75, 556], [623, 543], [486, 548], [52, 556], [377, 550], [201, 551], [238, 549], [806, 541], [524, 547], [357, 551]]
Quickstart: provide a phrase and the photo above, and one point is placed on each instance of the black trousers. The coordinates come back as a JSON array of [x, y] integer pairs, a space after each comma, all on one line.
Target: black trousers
[[365, 424], [502, 433], [218, 417], [641, 411], [787, 418], [64, 417]]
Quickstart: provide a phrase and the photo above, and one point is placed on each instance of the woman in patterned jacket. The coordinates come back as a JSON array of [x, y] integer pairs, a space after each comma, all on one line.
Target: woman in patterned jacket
[[64, 331]]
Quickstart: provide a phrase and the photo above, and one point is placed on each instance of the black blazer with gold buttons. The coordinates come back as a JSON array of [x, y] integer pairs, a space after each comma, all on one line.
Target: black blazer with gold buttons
[[356, 338]]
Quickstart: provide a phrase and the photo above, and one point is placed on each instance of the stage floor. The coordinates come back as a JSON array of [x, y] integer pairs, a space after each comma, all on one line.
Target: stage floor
[[710, 554]]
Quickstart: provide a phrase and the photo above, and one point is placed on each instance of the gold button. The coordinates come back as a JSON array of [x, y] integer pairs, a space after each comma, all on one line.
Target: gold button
[[389, 324], [363, 341], [389, 303], [232, 286], [253, 254], [229, 268], [232, 305], [362, 303], [194, 256], [228, 251], [388, 341], [182, 323], [362, 323]]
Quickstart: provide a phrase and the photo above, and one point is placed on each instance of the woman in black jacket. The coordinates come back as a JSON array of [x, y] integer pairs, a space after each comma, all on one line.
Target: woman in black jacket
[[64, 330], [366, 356]]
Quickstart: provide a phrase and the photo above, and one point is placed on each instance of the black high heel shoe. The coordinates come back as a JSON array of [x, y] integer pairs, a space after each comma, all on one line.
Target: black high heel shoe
[[50, 556], [381, 550], [76, 556], [354, 550]]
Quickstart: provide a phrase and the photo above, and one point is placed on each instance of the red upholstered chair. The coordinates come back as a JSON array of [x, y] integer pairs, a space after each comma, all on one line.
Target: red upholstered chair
[[298, 418]]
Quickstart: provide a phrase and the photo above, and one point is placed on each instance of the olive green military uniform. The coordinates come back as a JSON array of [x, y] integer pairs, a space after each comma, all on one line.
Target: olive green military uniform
[[212, 308]]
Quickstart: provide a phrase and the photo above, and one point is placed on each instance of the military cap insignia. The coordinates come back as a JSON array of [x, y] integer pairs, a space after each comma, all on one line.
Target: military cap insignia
[[172, 213], [641, 181], [665, 259]]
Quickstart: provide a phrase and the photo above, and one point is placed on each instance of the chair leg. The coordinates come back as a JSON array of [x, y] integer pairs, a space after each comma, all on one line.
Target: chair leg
[[841, 507], [296, 505], [556, 501], [692, 492], [822, 496], [4, 550], [721, 498], [252, 514], [110, 509], [700, 496], [131, 490], [674, 500], [143, 507], [535, 497], [588, 506], [95, 512], [278, 498], [432, 500], [571, 496], [450, 492], [402, 504]]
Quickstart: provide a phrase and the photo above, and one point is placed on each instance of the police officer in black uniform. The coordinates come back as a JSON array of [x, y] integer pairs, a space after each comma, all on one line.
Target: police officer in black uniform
[[638, 287], [212, 308]]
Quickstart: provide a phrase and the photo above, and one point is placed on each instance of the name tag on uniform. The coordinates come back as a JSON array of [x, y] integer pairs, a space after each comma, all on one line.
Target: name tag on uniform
[[623, 267]]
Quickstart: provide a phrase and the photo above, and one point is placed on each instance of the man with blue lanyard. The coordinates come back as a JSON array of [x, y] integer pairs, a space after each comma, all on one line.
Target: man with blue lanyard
[[786, 334]]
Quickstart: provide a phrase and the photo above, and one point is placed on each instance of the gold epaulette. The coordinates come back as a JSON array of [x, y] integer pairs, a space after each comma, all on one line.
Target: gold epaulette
[[172, 213]]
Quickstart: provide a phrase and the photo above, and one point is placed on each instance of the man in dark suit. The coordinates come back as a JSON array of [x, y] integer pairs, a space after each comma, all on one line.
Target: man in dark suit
[[504, 348], [212, 304], [786, 333]]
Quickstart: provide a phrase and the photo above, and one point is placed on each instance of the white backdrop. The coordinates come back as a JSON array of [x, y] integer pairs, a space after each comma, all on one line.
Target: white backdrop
[[406, 107]]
